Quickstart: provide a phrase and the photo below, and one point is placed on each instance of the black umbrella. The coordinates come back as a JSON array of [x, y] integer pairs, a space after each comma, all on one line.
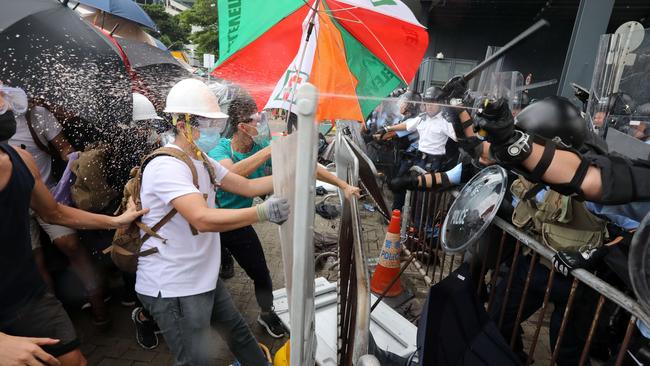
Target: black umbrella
[[49, 51], [142, 55], [157, 70]]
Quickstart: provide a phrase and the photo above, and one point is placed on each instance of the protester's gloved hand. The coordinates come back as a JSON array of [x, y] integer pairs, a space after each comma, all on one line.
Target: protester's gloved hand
[[566, 262], [405, 182], [274, 209], [455, 87], [495, 121]]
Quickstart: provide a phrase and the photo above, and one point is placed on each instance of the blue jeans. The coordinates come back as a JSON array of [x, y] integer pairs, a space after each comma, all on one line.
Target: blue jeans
[[185, 325]]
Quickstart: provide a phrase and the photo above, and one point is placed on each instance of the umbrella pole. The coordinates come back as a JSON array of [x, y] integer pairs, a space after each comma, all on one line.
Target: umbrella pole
[[302, 58]]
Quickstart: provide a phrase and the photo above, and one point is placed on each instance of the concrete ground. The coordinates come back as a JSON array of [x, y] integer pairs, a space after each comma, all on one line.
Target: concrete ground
[[117, 346]]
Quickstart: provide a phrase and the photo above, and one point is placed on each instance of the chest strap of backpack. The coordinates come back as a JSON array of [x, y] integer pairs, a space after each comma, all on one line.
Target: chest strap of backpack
[[178, 154]]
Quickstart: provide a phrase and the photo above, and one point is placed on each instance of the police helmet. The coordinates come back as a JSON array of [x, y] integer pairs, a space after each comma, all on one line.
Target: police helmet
[[433, 94], [412, 99], [621, 104], [554, 118]]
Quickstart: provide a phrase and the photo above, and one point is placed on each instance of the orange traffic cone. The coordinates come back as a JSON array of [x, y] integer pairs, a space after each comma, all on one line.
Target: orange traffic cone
[[389, 260]]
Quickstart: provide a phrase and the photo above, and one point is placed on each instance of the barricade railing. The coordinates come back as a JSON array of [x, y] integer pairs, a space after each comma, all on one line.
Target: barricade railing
[[423, 216]]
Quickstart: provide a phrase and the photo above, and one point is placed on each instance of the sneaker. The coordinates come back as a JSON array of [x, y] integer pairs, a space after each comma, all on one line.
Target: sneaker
[[87, 305], [145, 333], [128, 299], [227, 270], [101, 319], [272, 323]]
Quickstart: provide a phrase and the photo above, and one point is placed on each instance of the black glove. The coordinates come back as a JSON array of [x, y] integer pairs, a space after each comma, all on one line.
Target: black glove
[[495, 121], [565, 262], [455, 87], [380, 132], [367, 137], [405, 182]]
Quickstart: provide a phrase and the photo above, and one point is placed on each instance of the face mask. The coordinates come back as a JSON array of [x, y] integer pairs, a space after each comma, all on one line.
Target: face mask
[[167, 138], [208, 140], [153, 138], [262, 133], [7, 125], [210, 133]]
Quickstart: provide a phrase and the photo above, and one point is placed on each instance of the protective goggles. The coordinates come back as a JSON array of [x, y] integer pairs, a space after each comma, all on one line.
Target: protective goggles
[[212, 123]]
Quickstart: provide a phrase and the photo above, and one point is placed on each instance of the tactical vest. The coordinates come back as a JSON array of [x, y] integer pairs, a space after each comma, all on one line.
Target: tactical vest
[[561, 222]]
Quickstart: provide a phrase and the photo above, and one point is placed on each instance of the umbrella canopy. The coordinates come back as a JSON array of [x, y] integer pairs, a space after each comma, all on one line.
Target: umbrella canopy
[[141, 54], [357, 50], [155, 71], [119, 26], [127, 9], [54, 55]]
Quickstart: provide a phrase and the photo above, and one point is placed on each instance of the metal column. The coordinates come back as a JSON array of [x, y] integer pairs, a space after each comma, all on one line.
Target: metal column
[[591, 22]]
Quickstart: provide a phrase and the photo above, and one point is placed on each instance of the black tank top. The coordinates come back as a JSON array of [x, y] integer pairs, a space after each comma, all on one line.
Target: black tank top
[[20, 280]]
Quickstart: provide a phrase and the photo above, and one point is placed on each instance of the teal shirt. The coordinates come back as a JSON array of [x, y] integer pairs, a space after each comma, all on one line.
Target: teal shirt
[[224, 151]]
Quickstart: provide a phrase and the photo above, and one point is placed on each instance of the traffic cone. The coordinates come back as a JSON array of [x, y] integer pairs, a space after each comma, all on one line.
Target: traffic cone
[[389, 261]]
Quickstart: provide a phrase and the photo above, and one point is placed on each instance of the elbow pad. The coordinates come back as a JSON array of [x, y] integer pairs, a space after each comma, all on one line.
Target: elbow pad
[[623, 180]]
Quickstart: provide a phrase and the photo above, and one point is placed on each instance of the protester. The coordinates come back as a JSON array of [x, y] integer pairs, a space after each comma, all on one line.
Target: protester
[[138, 139], [248, 154], [182, 277], [39, 132], [27, 307]]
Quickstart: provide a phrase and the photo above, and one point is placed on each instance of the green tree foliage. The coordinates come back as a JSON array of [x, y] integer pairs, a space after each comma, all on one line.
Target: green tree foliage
[[204, 16], [173, 32]]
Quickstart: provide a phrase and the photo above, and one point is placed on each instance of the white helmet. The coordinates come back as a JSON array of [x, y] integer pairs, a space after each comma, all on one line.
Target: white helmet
[[192, 96], [143, 109]]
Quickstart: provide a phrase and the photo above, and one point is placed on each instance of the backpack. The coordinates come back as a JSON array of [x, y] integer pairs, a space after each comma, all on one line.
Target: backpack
[[125, 249], [561, 222], [90, 191]]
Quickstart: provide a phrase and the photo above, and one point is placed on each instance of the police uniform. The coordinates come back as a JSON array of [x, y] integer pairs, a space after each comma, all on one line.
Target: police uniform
[[434, 132]]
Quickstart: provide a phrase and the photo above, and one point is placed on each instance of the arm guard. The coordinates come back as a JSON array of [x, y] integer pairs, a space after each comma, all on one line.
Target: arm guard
[[623, 180]]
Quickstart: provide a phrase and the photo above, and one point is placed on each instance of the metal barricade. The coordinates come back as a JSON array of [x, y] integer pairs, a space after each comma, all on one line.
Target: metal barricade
[[423, 216]]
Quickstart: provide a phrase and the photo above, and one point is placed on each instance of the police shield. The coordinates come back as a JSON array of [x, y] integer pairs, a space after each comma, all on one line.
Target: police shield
[[639, 263], [619, 101], [474, 208]]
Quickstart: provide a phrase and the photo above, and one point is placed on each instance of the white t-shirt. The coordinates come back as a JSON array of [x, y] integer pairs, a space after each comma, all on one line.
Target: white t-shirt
[[46, 128], [188, 264], [434, 132]]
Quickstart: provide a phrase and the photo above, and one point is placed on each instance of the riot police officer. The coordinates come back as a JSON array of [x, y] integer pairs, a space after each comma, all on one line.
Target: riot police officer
[[596, 176]]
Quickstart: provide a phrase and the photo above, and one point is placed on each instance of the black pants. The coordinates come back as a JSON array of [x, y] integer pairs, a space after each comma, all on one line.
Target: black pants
[[430, 163], [245, 247], [571, 346]]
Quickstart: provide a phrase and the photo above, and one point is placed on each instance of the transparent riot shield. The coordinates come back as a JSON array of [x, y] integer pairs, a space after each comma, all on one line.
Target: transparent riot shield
[[474, 208], [510, 85], [639, 263], [498, 84], [619, 101], [487, 77]]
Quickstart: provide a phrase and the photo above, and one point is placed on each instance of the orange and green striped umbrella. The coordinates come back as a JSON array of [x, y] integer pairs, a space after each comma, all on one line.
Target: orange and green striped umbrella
[[358, 51]]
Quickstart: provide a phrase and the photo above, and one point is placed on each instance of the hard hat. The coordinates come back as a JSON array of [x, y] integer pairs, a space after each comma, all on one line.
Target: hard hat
[[192, 96], [433, 94], [143, 109], [554, 118]]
